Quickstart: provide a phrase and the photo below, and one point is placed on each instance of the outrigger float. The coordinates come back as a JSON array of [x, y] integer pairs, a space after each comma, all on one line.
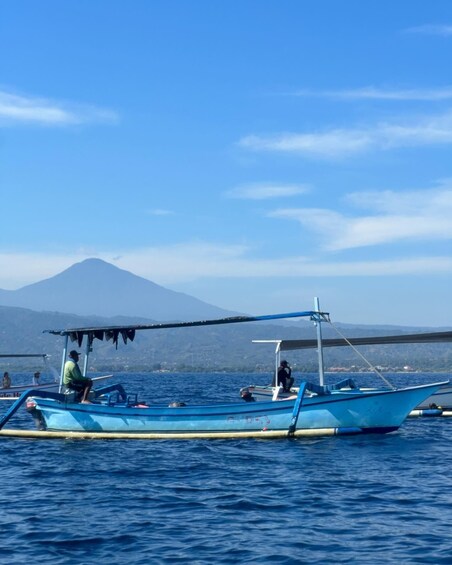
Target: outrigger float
[[113, 413]]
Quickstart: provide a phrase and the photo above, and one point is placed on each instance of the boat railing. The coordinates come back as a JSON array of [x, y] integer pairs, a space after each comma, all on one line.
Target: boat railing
[[23, 397], [121, 395], [106, 391]]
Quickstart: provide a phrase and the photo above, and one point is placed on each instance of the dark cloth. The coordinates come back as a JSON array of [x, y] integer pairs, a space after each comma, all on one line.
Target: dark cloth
[[78, 387], [285, 378]]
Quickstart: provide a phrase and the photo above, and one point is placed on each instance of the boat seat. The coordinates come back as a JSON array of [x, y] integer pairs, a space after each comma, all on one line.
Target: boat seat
[[70, 396]]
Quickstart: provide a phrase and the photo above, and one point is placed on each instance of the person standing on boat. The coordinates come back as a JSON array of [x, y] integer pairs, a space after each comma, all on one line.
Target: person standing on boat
[[36, 377], [73, 378], [285, 378], [6, 380]]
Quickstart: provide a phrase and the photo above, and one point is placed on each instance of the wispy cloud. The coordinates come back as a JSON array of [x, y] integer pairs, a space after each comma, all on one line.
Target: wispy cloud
[[341, 143], [265, 191], [183, 263], [18, 109], [415, 215], [160, 212], [374, 93], [330, 144], [431, 29]]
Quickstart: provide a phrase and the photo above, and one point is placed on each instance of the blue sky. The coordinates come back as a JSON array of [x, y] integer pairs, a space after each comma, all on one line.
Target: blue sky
[[253, 154]]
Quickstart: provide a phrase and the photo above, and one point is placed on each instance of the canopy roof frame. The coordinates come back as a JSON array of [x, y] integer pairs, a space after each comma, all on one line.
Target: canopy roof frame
[[23, 355], [425, 337], [128, 332]]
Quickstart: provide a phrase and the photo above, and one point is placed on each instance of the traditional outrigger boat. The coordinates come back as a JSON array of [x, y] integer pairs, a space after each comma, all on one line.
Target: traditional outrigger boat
[[439, 403], [14, 392], [114, 413]]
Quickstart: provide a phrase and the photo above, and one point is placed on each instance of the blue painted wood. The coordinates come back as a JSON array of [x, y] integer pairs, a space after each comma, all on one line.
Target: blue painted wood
[[376, 410], [297, 408], [23, 397]]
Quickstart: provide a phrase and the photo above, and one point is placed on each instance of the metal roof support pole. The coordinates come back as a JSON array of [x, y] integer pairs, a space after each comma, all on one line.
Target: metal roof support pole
[[277, 363], [87, 350], [318, 324], [63, 361]]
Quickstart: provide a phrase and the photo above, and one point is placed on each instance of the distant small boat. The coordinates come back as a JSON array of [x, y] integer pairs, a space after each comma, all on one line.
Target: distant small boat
[[114, 413], [14, 392], [442, 399]]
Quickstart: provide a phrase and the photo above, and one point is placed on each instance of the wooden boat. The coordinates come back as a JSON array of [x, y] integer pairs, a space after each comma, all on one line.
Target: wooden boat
[[441, 399], [14, 392], [114, 413]]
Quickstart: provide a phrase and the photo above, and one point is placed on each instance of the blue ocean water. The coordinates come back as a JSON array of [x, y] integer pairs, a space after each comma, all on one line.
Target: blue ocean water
[[357, 499]]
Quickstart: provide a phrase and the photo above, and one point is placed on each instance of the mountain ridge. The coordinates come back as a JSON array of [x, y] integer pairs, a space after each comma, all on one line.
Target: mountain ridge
[[112, 296], [209, 348], [95, 287]]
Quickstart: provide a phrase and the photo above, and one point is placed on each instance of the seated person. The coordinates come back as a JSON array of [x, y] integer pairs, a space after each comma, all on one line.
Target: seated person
[[285, 378], [6, 380], [74, 380]]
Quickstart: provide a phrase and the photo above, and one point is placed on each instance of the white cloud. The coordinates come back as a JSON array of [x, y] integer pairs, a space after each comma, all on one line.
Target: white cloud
[[431, 29], [178, 264], [15, 109], [20, 269], [414, 215], [263, 191], [331, 144], [373, 93], [160, 212], [340, 143]]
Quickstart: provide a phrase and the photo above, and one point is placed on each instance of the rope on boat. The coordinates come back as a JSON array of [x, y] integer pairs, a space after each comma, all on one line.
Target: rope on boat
[[372, 367]]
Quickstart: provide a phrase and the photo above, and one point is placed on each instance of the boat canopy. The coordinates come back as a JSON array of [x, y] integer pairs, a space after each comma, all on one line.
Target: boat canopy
[[127, 332], [431, 337], [20, 355]]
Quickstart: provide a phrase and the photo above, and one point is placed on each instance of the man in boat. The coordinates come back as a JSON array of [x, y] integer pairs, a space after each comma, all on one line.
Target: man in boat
[[74, 380], [6, 380], [285, 378]]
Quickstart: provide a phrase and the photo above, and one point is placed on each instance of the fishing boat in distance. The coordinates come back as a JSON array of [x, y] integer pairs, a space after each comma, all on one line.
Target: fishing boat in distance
[[438, 403], [13, 392], [113, 413]]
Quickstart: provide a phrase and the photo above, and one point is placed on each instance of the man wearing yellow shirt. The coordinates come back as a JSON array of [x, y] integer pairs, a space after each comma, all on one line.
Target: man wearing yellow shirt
[[74, 380]]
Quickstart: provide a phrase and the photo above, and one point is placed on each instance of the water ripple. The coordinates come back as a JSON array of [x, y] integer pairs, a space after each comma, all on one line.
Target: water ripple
[[360, 499]]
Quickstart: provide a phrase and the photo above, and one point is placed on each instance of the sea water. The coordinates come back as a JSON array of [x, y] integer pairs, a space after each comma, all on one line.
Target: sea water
[[357, 499]]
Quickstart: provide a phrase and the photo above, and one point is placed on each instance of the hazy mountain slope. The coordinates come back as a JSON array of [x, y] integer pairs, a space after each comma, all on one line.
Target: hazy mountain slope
[[94, 292], [207, 348], [94, 287]]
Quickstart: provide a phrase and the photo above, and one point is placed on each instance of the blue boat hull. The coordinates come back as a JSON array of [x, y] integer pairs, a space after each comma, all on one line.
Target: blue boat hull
[[355, 411]]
